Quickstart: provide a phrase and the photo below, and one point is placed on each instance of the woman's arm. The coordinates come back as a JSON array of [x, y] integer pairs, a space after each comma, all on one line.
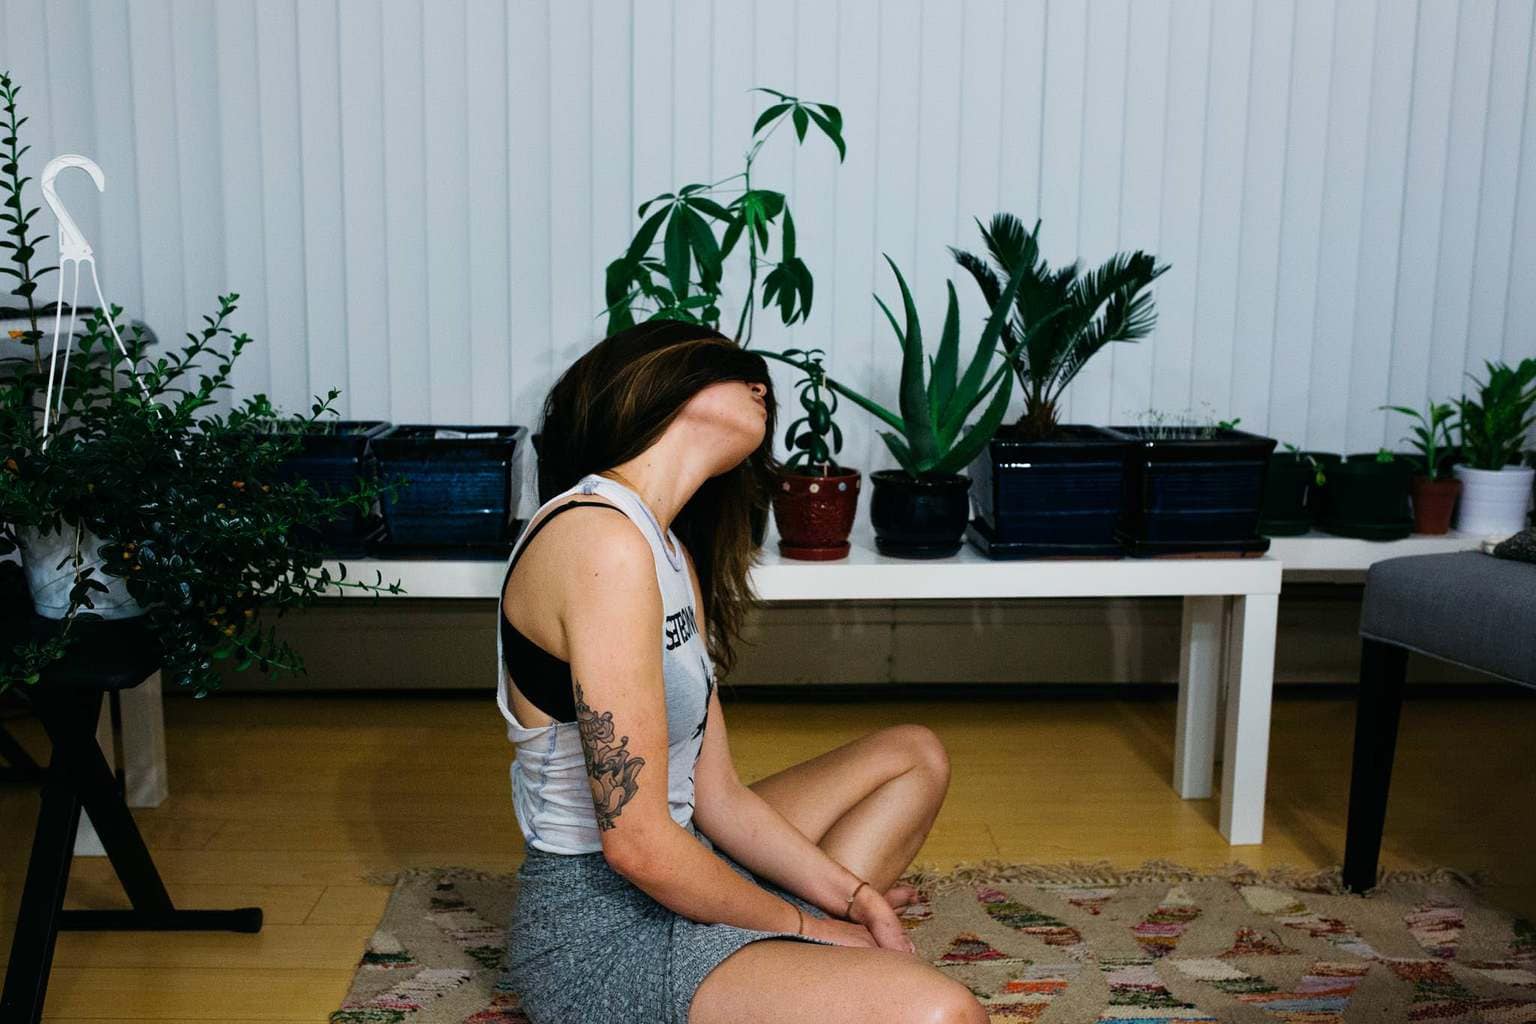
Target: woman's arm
[[613, 623], [755, 834]]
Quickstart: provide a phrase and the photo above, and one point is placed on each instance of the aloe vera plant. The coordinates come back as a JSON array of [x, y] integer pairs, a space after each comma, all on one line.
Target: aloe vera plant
[[936, 398]]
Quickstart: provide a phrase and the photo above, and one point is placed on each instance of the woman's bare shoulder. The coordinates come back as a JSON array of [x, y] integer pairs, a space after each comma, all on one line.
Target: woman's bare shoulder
[[585, 542]]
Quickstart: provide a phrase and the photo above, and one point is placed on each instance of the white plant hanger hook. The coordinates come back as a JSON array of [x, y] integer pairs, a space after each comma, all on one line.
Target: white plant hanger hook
[[73, 248]]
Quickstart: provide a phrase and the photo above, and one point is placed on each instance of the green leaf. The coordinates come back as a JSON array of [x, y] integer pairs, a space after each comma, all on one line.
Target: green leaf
[[675, 246], [768, 115], [832, 132], [946, 366], [646, 236], [710, 207], [833, 114], [706, 252], [787, 241], [961, 454], [654, 199], [732, 234], [802, 122], [914, 393]]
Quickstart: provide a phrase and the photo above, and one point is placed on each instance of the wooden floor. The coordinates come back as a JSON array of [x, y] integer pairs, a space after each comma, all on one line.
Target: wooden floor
[[287, 803]]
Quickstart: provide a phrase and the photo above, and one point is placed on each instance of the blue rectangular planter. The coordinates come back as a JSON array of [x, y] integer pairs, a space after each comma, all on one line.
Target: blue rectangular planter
[[1060, 496], [333, 459], [1194, 495], [461, 490]]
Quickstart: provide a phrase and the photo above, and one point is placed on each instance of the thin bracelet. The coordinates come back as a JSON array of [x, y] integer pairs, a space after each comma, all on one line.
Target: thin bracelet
[[850, 908]]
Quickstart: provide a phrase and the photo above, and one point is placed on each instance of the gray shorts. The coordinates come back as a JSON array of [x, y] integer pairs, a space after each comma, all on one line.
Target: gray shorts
[[586, 945]]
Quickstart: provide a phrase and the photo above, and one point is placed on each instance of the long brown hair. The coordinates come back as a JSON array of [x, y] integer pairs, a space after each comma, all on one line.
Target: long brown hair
[[617, 399]]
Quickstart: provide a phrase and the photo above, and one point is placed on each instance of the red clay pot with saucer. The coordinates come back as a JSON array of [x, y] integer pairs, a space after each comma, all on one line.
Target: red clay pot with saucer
[[1433, 503], [814, 512]]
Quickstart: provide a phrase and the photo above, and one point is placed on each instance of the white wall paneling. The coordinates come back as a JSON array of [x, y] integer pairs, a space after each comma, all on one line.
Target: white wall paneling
[[416, 200]]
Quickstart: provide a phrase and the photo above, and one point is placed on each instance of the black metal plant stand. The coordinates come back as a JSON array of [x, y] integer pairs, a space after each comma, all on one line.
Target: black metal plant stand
[[112, 657], [18, 766]]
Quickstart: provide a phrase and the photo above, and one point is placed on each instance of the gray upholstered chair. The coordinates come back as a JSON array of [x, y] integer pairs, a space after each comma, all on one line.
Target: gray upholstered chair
[[1468, 608]]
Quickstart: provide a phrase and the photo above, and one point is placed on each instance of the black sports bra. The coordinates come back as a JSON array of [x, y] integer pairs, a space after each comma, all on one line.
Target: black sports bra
[[540, 676]]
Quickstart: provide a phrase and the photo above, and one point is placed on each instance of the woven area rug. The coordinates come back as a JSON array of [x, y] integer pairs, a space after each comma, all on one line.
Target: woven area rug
[[1069, 943]]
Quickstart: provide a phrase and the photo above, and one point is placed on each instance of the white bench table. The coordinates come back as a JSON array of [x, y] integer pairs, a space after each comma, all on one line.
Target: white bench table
[[1227, 639]]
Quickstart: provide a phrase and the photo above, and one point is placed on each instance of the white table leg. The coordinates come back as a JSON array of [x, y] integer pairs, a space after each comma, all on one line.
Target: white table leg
[[1245, 762], [144, 776], [1202, 671]]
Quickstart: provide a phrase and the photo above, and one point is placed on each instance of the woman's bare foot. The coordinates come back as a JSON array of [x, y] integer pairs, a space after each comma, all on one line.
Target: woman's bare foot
[[900, 895]]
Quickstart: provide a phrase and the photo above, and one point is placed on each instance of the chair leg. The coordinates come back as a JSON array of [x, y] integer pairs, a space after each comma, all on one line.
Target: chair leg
[[1383, 668], [42, 898], [79, 777]]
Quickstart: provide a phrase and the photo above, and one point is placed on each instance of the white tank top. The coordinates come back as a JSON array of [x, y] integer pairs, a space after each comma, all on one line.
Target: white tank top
[[550, 791]]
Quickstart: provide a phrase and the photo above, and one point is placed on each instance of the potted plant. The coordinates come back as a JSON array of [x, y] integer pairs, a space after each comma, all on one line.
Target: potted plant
[[1367, 497], [1042, 488], [1292, 489], [684, 281], [462, 490], [128, 496], [920, 510], [1496, 489], [1432, 492], [816, 498], [1194, 487]]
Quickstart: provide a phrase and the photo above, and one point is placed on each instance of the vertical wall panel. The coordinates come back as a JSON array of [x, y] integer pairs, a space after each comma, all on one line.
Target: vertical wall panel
[[364, 244], [1103, 169], [1141, 189], [1380, 234], [1290, 374], [416, 201], [1463, 179], [245, 260], [1338, 260], [446, 202], [1183, 161], [1264, 175], [1498, 183], [1434, 64], [325, 295]]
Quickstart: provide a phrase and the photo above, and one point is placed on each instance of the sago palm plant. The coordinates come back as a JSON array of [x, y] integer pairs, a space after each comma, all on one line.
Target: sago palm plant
[[1061, 316]]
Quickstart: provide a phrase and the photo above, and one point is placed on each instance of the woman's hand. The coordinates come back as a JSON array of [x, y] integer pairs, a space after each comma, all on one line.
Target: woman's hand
[[876, 916], [844, 933]]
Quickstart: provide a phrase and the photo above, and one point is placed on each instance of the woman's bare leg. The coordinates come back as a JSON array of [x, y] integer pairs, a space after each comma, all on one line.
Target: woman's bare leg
[[869, 803], [777, 981]]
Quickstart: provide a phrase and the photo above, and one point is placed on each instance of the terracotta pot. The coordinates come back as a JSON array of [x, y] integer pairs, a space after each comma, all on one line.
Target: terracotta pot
[[814, 513], [1433, 502]]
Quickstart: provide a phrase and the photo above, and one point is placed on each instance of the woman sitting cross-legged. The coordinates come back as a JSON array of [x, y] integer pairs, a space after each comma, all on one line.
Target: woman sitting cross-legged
[[656, 886]]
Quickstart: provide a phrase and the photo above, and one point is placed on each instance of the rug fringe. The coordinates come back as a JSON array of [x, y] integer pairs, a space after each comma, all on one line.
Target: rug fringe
[[932, 879], [1095, 873]]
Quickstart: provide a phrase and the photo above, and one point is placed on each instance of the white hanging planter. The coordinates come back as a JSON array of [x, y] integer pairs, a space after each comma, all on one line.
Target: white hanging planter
[[1494, 501], [51, 583]]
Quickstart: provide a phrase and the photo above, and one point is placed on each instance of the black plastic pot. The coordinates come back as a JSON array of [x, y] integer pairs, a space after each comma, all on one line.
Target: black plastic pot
[[1291, 492], [918, 518], [460, 492], [1194, 495], [1052, 497], [1368, 499], [334, 457]]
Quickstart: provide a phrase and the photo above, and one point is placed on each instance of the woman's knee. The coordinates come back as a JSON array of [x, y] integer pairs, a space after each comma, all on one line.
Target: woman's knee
[[923, 748], [946, 1001]]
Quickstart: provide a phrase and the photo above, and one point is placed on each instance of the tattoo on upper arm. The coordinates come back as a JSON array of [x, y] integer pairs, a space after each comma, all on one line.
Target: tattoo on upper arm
[[611, 767]]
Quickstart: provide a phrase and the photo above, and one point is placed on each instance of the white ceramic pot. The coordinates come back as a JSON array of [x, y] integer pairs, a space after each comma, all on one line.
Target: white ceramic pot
[[51, 583], [1494, 501]]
